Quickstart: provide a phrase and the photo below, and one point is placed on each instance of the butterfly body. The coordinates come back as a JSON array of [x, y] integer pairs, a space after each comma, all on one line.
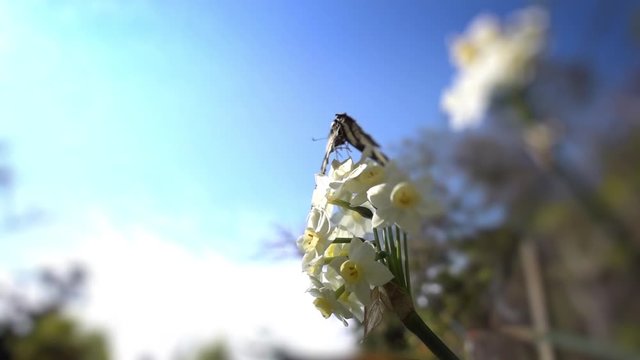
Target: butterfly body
[[345, 129]]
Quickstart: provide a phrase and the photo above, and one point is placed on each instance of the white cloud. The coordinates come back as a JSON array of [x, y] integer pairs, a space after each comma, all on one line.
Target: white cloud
[[156, 296]]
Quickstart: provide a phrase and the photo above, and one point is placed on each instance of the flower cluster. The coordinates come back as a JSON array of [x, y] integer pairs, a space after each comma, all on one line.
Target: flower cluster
[[343, 254], [490, 58]]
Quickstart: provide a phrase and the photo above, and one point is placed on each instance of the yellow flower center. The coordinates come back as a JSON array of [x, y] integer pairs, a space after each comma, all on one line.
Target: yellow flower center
[[405, 196], [350, 271], [309, 240], [464, 52], [324, 306]]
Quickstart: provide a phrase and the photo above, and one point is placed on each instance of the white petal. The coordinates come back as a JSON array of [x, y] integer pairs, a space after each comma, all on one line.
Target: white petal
[[376, 221], [354, 247], [362, 291], [337, 262], [363, 254], [359, 199], [316, 283], [377, 274], [384, 217], [380, 195]]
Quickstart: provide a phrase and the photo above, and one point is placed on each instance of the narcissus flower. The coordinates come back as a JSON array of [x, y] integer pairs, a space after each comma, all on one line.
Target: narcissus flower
[[316, 235], [342, 267], [314, 241], [319, 195], [401, 203], [492, 58], [326, 301], [361, 179], [351, 302], [323, 193], [352, 222], [360, 270]]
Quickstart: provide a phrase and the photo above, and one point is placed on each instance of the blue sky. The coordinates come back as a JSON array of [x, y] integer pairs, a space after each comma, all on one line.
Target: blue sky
[[164, 139], [204, 111]]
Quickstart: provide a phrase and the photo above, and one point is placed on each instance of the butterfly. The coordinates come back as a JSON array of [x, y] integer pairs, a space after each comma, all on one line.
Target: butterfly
[[345, 129]]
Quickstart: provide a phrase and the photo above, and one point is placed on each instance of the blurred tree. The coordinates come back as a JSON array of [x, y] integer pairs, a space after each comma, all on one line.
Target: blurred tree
[[33, 322], [537, 254], [36, 327], [561, 180], [55, 336], [217, 350]]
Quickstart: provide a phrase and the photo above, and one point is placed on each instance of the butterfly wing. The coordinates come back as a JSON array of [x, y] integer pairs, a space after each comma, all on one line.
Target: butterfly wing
[[358, 138], [335, 139], [345, 129]]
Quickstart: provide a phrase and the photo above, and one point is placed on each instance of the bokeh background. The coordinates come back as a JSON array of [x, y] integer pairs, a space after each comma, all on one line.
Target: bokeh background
[[157, 162]]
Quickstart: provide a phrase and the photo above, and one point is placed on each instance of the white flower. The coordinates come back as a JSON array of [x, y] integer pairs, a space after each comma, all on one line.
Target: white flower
[[466, 102], [339, 169], [351, 302], [338, 172], [465, 50], [334, 280], [401, 203], [319, 195], [312, 263], [316, 236], [360, 270], [335, 250], [323, 192], [327, 302], [492, 58], [352, 222], [315, 240], [360, 179]]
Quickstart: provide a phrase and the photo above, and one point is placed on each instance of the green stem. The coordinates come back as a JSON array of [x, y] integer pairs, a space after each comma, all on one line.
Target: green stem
[[344, 240], [377, 239], [365, 212], [406, 263], [414, 323], [394, 266]]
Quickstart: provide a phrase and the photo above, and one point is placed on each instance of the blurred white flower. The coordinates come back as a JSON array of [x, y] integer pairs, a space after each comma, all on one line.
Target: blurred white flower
[[492, 58]]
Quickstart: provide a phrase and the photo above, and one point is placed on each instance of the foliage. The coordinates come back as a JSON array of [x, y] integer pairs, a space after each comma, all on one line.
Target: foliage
[[39, 329], [575, 198], [214, 351]]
